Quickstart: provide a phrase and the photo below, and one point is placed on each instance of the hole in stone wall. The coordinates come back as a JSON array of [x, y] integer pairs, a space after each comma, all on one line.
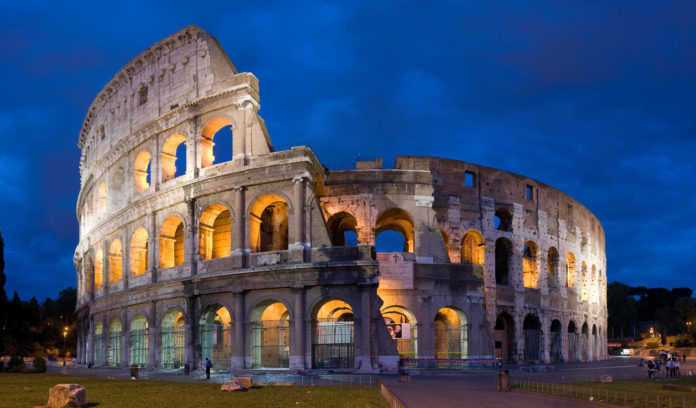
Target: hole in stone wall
[[469, 179], [503, 219]]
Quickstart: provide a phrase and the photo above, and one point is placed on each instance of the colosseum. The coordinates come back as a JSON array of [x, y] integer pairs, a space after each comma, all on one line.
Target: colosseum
[[263, 259]]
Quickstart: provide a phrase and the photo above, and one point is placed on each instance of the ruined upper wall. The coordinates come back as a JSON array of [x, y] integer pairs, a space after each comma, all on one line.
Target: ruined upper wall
[[187, 65]]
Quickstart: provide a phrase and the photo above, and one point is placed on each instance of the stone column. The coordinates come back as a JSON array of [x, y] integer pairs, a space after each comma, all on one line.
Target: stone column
[[298, 237], [156, 166], [297, 353], [125, 261], [193, 161], [153, 247], [153, 338], [238, 225], [190, 333], [361, 335], [546, 339], [90, 341], [105, 342], [125, 339], [193, 242], [105, 267], [237, 362], [564, 339]]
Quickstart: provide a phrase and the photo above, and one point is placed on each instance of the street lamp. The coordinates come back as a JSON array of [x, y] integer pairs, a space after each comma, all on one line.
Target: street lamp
[[65, 334]]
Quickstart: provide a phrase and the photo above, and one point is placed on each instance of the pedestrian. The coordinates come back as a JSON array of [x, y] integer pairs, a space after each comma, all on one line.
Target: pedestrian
[[651, 369], [676, 368], [684, 357], [668, 368], [208, 364]]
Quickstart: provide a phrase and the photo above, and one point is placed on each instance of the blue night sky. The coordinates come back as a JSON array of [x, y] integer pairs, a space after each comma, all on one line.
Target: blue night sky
[[594, 99]]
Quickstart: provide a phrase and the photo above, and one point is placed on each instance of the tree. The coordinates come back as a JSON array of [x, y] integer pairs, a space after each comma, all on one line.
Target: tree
[[622, 309]]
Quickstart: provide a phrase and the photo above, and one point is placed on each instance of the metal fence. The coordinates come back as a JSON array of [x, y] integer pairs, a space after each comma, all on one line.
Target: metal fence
[[98, 350], [532, 345], [447, 364], [332, 345], [114, 353], [139, 347], [270, 347], [173, 347], [216, 344]]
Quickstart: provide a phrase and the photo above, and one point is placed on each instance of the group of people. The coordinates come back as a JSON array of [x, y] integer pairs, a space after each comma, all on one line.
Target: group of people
[[671, 362]]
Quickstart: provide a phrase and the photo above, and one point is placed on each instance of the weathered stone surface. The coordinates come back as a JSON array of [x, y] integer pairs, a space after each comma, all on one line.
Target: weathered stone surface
[[67, 396], [245, 382], [232, 385]]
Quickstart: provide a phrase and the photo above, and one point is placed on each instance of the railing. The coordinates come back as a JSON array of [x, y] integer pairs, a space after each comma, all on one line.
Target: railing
[[623, 398], [446, 363]]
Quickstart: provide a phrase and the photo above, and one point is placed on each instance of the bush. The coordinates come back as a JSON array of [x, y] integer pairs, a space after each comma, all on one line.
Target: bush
[[684, 342], [39, 364], [16, 364]]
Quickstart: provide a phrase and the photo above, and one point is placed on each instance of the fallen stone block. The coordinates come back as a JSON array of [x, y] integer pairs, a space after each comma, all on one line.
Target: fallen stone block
[[67, 396], [244, 381], [232, 385]]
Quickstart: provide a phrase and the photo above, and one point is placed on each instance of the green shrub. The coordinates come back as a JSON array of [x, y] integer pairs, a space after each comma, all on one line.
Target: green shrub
[[16, 364], [39, 364], [652, 344]]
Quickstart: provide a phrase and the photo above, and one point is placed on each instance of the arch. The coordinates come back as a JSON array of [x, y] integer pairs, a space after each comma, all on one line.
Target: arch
[[173, 338], [584, 295], [115, 261], [339, 224], [502, 220], [207, 139], [532, 338], [593, 291], [403, 328], [101, 199], [556, 333], [216, 336], [396, 219], [268, 224], [450, 335], [170, 154], [171, 250], [572, 341], [270, 335], [139, 252], [594, 349], [504, 337], [333, 344], [139, 340], [141, 171], [98, 343], [530, 272], [503, 254], [215, 229], [570, 270], [98, 269], [552, 260], [473, 248], [585, 343], [115, 332]]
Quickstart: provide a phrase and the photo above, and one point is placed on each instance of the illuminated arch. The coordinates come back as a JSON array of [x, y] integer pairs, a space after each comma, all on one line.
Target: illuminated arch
[[139, 252], [141, 171], [395, 317], [215, 231], [115, 261], [98, 269], [207, 140], [339, 224], [450, 334], [570, 272], [172, 242], [270, 335], [584, 295], [101, 199], [396, 219], [268, 224], [552, 261], [139, 340], [333, 344], [473, 248], [169, 156], [216, 336], [114, 344], [530, 272], [173, 339]]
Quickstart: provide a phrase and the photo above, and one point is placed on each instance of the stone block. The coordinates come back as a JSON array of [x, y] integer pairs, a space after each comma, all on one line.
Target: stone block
[[67, 396], [244, 381], [232, 385]]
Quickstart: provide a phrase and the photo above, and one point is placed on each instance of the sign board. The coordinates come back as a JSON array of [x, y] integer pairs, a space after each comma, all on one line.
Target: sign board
[[398, 331]]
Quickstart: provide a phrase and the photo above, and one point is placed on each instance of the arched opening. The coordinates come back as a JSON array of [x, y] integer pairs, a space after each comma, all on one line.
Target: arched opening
[[473, 248], [89, 275], [343, 229], [217, 132], [398, 220], [173, 157], [595, 348], [333, 343], [403, 328], [532, 338], [556, 333], [270, 340], [572, 342], [503, 253], [216, 337], [98, 344], [114, 354], [269, 224], [101, 199], [115, 261], [552, 260], [504, 337], [141, 171], [594, 292], [98, 269], [502, 220], [139, 341], [172, 243], [584, 295], [584, 343], [530, 272], [570, 275], [450, 334], [215, 230], [173, 339], [138, 252]]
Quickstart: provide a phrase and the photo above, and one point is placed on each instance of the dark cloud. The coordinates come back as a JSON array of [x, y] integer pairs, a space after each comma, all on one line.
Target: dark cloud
[[594, 98]]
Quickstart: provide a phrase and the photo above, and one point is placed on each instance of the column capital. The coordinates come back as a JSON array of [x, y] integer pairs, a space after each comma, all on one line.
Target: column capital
[[301, 177]]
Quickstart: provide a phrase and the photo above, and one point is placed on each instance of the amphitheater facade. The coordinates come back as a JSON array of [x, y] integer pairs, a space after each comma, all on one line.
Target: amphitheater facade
[[268, 260]]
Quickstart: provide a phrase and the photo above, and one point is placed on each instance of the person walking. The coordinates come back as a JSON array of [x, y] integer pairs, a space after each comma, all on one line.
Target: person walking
[[651, 369], [676, 368], [208, 364], [668, 368]]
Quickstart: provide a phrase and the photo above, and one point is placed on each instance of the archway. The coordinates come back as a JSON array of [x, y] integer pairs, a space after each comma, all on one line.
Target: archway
[[173, 339], [139, 252], [141, 171], [403, 328], [173, 151], [115, 261], [172, 243], [101, 199], [572, 341], [270, 340], [210, 133], [215, 230], [570, 274], [584, 295], [556, 333], [98, 269], [268, 224], [343, 229], [114, 355], [502, 220], [552, 260], [396, 219], [98, 344], [584, 343], [216, 337], [473, 248], [139, 341], [595, 348], [504, 337], [503, 253], [333, 343], [450, 334], [532, 338], [530, 272]]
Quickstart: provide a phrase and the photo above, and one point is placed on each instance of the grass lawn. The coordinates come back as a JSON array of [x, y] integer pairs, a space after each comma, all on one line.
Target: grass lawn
[[28, 390], [633, 392]]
